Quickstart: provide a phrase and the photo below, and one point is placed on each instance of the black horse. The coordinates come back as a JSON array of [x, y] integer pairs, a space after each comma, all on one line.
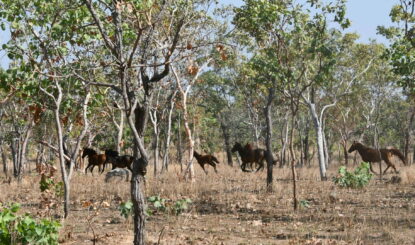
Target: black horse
[[250, 155], [118, 161]]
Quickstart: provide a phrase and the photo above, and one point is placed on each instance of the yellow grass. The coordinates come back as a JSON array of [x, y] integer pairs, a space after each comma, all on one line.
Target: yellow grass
[[233, 208]]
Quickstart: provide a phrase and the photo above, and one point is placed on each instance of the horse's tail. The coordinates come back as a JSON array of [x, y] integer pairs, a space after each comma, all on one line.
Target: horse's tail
[[399, 154]]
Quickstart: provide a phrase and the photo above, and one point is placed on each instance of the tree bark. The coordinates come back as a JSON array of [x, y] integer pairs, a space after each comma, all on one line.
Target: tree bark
[[408, 134], [320, 143], [268, 140], [226, 138], [179, 143], [4, 160], [168, 133], [294, 110]]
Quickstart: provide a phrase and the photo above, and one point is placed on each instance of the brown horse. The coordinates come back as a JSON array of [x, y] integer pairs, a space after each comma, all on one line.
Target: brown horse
[[250, 155], [94, 159], [371, 155], [206, 159], [118, 161]]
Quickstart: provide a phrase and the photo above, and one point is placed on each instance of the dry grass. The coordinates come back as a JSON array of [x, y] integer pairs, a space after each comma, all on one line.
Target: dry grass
[[233, 208]]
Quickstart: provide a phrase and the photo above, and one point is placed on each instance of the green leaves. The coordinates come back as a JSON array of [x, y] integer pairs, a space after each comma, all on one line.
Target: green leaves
[[159, 204], [26, 230], [357, 179], [126, 209], [401, 53]]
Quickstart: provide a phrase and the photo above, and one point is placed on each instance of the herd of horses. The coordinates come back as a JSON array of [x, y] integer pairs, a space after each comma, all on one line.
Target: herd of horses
[[249, 155]]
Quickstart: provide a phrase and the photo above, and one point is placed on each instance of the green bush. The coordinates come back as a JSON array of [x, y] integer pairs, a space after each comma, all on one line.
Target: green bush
[[357, 179], [126, 209], [15, 229], [181, 205], [157, 204]]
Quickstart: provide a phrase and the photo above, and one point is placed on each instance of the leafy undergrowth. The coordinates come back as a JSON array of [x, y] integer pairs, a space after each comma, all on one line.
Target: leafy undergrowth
[[23, 229], [359, 178], [232, 207]]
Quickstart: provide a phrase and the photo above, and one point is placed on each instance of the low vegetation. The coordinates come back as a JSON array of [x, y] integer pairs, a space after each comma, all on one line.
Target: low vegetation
[[23, 229], [359, 178]]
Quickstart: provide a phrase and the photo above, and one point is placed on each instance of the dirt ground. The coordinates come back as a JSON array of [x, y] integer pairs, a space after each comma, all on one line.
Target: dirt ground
[[232, 207]]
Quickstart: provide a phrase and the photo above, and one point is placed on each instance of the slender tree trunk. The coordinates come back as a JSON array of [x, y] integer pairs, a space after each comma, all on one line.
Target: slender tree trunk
[[4, 160], [306, 144], [326, 151], [153, 117], [345, 154], [120, 131], [190, 172], [226, 138], [268, 139], [15, 156], [168, 133], [408, 134], [294, 109], [179, 143], [320, 142], [284, 143]]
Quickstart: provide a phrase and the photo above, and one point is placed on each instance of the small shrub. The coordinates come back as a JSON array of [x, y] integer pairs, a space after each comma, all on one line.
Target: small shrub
[[158, 203], [15, 229], [126, 209], [181, 205], [304, 204], [357, 179]]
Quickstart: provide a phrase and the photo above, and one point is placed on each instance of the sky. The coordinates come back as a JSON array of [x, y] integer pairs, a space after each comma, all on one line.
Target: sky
[[365, 16]]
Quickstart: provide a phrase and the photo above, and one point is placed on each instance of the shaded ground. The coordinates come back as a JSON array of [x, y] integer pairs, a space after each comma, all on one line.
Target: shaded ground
[[233, 208]]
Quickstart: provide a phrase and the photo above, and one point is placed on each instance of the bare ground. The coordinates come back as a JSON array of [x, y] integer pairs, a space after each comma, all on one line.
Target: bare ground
[[232, 207]]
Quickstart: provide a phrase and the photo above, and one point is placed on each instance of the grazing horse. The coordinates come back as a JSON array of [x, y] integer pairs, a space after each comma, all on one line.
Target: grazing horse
[[94, 159], [118, 161], [371, 155], [206, 159], [250, 155]]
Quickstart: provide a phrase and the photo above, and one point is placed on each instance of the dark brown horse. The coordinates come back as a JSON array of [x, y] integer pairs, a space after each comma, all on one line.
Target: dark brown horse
[[250, 155], [371, 155], [94, 159], [118, 161], [206, 159]]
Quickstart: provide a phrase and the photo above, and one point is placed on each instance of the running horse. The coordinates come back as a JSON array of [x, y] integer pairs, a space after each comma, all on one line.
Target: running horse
[[94, 159], [118, 161], [250, 155], [371, 155], [206, 159]]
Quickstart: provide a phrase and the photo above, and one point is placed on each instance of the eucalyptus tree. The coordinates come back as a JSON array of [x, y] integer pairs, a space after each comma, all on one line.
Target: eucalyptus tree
[[40, 47], [401, 56], [140, 40], [219, 100]]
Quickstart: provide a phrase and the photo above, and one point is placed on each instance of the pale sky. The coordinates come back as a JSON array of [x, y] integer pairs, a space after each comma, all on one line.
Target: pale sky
[[365, 15]]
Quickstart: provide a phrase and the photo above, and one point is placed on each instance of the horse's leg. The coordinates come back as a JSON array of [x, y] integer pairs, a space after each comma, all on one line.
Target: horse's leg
[[371, 169], [203, 166], [243, 166], [86, 169], [261, 166], [103, 168], [390, 164], [213, 165]]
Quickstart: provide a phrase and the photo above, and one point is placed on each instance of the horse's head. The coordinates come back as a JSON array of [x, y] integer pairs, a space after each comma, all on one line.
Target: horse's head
[[353, 147], [88, 151], [236, 147]]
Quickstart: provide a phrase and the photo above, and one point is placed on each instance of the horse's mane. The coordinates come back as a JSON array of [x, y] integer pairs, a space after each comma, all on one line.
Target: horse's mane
[[90, 151], [195, 154], [112, 153]]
